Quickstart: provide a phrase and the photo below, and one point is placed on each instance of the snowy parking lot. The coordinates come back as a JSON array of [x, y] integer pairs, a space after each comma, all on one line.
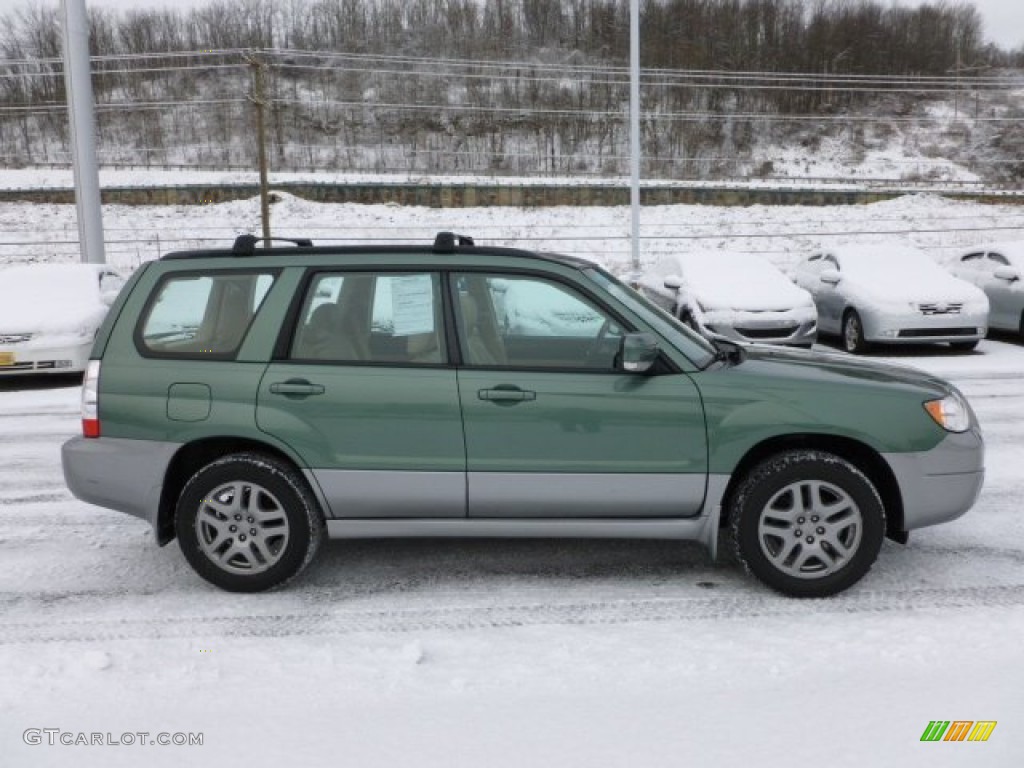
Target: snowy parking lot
[[505, 653]]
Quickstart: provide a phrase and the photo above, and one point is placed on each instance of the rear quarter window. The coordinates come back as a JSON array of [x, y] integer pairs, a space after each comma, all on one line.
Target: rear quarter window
[[197, 316]]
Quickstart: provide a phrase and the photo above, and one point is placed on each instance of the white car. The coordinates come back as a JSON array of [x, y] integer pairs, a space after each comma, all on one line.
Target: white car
[[49, 315], [737, 296], [891, 295], [997, 269]]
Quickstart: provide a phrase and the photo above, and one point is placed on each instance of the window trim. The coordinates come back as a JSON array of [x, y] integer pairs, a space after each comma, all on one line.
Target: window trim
[[138, 337]]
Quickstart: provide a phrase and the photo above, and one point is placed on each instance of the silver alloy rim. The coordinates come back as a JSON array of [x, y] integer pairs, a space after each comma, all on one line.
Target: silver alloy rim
[[852, 333], [242, 528], [810, 529]]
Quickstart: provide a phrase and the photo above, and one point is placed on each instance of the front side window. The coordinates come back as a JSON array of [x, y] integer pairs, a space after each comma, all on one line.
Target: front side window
[[366, 317], [514, 321], [202, 315]]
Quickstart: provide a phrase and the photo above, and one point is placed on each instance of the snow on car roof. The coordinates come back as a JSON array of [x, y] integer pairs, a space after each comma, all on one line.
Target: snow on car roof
[[737, 280], [875, 261], [40, 297], [898, 272]]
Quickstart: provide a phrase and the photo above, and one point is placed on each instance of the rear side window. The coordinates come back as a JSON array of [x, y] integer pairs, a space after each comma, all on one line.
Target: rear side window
[[202, 315], [366, 317]]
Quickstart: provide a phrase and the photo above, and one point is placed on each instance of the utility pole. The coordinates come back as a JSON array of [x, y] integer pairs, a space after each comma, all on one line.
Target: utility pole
[[82, 121], [634, 135], [259, 100]]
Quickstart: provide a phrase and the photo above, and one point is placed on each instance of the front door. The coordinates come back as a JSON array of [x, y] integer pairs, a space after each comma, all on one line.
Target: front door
[[552, 428]]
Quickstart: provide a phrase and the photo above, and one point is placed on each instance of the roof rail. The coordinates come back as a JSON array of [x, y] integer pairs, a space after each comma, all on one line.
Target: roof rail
[[245, 245], [445, 242]]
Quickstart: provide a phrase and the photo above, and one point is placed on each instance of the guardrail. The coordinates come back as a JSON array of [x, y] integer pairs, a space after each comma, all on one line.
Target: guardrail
[[445, 193]]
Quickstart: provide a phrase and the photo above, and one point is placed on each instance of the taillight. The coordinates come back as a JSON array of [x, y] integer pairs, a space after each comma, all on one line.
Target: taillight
[[90, 400]]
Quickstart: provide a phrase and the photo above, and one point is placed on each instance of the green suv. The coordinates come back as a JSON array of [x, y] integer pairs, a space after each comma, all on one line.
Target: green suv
[[251, 401]]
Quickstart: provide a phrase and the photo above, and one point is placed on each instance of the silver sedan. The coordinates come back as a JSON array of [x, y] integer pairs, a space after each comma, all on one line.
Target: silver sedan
[[891, 295], [997, 269]]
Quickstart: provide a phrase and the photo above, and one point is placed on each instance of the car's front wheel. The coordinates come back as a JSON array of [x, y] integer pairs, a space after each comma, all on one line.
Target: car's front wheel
[[248, 522], [807, 523], [853, 333]]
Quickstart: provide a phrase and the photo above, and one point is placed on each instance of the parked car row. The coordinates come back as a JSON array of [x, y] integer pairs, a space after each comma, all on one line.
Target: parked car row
[[862, 295]]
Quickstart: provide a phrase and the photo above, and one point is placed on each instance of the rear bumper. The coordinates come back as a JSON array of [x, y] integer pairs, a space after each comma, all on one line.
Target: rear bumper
[[119, 474], [941, 484]]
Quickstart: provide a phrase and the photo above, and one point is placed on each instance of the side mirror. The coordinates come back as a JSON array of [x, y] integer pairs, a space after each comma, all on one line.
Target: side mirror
[[638, 352], [1007, 273], [674, 282], [830, 276], [108, 297]]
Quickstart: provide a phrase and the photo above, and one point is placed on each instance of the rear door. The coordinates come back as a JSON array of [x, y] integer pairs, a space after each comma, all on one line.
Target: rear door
[[364, 395], [552, 428]]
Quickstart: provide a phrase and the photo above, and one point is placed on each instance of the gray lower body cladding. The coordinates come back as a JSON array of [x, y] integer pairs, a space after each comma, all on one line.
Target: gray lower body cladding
[[941, 484]]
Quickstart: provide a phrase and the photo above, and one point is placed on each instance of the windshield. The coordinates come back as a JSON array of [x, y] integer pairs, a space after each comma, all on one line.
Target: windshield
[[698, 349]]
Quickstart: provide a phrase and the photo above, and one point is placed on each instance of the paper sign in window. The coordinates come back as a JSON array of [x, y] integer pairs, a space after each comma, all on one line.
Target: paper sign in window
[[412, 304]]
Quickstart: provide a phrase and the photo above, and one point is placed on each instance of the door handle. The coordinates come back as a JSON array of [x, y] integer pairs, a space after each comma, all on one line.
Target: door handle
[[506, 395], [296, 388]]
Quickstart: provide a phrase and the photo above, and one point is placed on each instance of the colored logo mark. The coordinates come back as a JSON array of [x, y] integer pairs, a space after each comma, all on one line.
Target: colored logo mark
[[958, 730]]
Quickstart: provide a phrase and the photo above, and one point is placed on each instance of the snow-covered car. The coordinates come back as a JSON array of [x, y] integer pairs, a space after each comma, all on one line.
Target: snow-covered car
[[737, 296], [997, 269], [49, 314], [891, 295]]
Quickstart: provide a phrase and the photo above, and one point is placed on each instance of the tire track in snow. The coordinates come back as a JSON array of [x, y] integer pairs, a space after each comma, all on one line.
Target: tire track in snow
[[477, 617]]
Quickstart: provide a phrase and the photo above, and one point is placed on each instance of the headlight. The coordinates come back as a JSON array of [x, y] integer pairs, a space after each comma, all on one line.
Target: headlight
[[950, 413]]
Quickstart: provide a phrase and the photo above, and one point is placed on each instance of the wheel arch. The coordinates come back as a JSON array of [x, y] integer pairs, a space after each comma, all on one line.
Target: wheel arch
[[193, 456], [859, 454]]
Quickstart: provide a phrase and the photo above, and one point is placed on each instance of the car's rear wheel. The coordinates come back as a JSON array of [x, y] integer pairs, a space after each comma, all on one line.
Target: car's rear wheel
[[248, 522], [807, 523], [853, 333]]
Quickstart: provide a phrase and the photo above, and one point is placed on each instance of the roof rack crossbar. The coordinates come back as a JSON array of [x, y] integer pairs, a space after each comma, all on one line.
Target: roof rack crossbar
[[245, 245], [445, 242]]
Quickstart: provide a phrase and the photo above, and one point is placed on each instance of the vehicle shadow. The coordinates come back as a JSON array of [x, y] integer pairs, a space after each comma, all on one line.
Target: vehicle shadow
[[902, 350], [28, 382], [413, 565]]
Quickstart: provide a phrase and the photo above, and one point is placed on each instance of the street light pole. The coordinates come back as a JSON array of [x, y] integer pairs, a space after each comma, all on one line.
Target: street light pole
[[634, 134], [81, 112]]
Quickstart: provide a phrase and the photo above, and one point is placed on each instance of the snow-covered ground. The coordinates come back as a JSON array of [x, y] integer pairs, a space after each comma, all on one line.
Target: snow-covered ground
[[511, 653]]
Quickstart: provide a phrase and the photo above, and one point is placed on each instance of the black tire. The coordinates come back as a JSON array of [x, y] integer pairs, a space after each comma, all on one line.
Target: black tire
[[248, 522], [963, 346], [829, 542], [853, 333]]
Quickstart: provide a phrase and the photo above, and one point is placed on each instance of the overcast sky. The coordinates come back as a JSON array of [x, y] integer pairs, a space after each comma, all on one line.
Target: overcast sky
[[1004, 19]]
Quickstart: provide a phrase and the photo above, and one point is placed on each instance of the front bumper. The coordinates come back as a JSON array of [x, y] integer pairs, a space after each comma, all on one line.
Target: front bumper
[[941, 484], [916, 328], [792, 327], [116, 473], [27, 358]]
